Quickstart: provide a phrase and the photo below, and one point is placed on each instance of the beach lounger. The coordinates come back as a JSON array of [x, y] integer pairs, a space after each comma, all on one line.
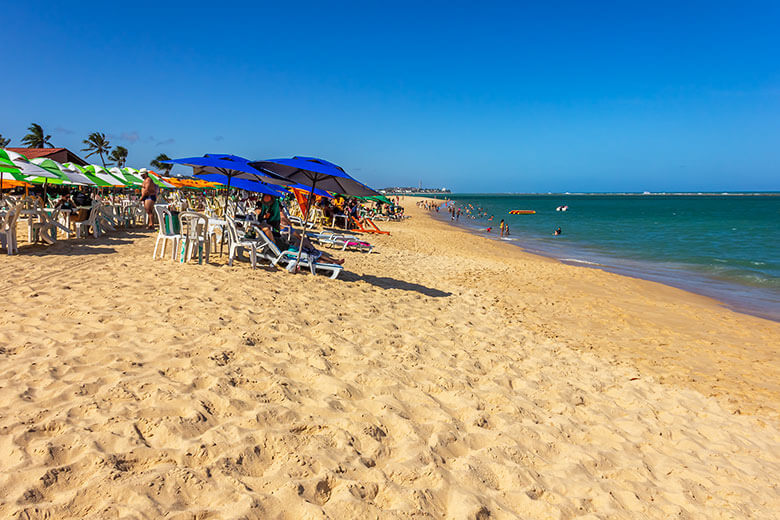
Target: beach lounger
[[288, 258], [371, 229], [343, 242]]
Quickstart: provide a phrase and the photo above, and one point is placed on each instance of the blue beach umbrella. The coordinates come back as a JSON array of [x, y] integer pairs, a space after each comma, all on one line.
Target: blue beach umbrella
[[312, 172], [229, 166], [316, 191], [244, 184]]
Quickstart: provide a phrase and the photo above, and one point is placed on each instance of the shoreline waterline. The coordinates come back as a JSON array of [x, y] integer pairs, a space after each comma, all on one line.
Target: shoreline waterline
[[754, 301]]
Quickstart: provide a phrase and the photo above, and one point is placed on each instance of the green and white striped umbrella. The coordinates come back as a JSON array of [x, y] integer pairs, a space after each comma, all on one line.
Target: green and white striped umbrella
[[129, 179], [97, 181], [133, 175], [8, 169], [29, 169], [157, 180], [75, 175], [7, 163], [105, 175], [67, 177]]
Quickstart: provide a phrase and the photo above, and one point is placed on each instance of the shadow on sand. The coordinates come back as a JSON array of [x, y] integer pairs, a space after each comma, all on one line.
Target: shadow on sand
[[81, 246], [385, 282]]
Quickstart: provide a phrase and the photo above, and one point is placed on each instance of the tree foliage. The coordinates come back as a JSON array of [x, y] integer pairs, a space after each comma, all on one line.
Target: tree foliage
[[157, 164], [119, 156], [37, 138], [97, 143]]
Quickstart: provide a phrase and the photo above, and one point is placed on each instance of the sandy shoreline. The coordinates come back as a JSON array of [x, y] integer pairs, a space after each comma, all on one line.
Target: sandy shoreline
[[445, 376]]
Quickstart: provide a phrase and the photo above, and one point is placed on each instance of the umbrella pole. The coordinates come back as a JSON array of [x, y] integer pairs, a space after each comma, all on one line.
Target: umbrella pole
[[227, 195], [305, 218], [1, 186]]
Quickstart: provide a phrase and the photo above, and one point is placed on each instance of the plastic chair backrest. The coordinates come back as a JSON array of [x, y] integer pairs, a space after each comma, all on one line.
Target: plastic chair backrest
[[194, 224], [165, 220], [9, 222], [232, 231]]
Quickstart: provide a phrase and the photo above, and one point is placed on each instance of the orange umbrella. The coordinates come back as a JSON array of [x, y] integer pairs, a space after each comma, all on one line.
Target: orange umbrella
[[13, 183]]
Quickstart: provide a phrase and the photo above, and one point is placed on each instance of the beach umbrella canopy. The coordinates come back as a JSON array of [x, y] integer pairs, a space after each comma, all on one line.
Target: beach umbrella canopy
[[130, 180], [230, 166], [9, 171], [157, 179], [29, 169], [97, 181], [103, 174], [244, 184], [75, 175], [317, 191], [67, 176], [311, 171], [7, 163], [132, 175]]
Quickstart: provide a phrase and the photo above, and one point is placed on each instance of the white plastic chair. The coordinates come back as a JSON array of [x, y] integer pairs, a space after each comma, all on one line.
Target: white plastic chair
[[91, 222], [165, 231], [8, 230], [195, 234], [236, 244]]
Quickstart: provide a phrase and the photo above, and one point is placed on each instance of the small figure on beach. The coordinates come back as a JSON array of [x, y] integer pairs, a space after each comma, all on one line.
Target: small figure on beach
[[557, 231], [501, 228], [148, 197], [488, 229]]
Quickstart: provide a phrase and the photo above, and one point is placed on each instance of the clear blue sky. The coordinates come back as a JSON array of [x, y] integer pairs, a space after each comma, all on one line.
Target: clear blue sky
[[580, 96]]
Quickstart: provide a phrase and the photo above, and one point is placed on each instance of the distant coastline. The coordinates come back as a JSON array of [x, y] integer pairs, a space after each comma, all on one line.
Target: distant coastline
[[603, 193]]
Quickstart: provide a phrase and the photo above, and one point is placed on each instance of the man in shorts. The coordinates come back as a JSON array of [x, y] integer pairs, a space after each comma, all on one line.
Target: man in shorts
[[149, 192]]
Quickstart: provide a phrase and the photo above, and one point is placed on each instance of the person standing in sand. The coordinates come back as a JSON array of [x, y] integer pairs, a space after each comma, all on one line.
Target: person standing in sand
[[149, 192]]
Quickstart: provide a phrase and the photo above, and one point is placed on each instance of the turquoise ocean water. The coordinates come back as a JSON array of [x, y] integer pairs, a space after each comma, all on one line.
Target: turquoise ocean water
[[723, 246]]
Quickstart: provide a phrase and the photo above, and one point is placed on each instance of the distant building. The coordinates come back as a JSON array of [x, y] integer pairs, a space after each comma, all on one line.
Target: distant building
[[61, 155]]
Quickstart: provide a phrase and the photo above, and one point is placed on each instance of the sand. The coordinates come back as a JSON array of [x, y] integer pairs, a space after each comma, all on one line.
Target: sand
[[443, 376]]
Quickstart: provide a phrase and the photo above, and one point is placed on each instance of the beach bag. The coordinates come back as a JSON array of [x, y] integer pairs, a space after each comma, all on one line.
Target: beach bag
[[82, 199], [172, 225], [80, 215]]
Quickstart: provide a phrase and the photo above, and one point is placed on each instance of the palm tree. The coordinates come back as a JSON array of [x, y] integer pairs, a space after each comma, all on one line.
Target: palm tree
[[4, 141], [97, 144], [119, 156], [37, 138], [158, 164]]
